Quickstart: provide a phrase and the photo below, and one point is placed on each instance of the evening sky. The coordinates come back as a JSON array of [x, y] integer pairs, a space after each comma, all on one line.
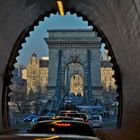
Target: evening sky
[[35, 42]]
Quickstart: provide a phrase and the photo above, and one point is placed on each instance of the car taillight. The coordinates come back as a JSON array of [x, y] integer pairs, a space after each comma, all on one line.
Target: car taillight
[[63, 124]]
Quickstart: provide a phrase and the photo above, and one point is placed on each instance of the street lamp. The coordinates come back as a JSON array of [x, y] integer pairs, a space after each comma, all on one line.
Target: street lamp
[[60, 7]]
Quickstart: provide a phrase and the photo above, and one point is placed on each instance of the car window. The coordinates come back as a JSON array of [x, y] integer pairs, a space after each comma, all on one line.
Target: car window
[[84, 117], [73, 115], [95, 118]]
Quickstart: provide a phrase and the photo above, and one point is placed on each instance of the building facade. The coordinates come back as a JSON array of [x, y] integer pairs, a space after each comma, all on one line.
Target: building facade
[[107, 79], [36, 74]]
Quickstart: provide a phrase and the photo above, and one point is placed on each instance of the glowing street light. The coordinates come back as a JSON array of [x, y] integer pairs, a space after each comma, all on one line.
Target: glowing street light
[[60, 7]]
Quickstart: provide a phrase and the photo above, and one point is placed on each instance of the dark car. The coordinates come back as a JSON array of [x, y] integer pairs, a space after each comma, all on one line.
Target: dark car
[[45, 118], [67, 111], [62, 127], [75, 116]]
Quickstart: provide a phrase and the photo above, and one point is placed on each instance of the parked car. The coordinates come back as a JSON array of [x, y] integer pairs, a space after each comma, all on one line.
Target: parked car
[[29, 118], [65, 127], [97, 121]]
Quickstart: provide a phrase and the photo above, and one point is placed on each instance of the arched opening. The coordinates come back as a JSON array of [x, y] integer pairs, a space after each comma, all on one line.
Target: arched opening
[[77, 85], [74, 78]]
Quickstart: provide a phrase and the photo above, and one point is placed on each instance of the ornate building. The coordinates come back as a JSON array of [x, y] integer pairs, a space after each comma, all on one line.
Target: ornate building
[[107, 72], [36, 74]]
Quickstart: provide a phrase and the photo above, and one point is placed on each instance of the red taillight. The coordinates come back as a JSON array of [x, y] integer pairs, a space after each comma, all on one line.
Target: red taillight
[[63, 124]]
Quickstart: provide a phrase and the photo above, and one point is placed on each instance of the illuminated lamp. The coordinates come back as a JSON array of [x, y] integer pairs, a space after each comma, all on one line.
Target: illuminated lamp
[[60, 7]]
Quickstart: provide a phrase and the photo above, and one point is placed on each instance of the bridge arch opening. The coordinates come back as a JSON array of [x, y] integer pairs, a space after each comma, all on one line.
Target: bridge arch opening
[[74, 78], [77, 85]]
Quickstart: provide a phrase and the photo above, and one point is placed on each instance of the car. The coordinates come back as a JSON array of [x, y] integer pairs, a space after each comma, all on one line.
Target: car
[[29, 118], [33, 121], [41, 118], [67, 111], [66, 127], [75, 116], [97, 121], [86, 118], [50, 114], [45, 118]]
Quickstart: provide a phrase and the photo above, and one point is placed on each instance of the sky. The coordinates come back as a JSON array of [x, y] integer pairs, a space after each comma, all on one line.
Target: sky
[[36, 44]]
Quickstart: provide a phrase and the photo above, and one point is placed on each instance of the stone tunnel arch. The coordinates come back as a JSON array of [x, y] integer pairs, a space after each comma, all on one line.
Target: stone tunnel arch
[[108, 16], [21, 39]]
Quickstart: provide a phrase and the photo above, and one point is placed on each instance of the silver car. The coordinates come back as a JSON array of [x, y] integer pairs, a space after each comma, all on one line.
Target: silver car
[[97, 121]]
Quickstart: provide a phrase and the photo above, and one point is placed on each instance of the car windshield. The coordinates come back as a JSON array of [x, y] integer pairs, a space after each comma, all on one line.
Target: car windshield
[[73, 115], [69, 111], [63, 128]]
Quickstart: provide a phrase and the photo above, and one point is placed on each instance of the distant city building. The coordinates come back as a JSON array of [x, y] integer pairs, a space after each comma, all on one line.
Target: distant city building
[[107, 72], [36, 74], [109, 86]]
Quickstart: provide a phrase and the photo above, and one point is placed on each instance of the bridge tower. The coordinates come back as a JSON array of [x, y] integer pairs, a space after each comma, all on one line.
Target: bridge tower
[[77, 46]]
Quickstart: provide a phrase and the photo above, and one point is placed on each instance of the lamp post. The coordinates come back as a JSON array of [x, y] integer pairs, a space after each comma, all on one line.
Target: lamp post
[[60, 6]]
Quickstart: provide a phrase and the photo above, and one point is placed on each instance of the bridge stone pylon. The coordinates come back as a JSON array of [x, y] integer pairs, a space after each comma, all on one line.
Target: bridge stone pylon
[[68, 46]]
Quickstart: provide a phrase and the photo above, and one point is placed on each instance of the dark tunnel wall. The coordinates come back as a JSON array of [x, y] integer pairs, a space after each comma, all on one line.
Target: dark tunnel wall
[[118, 19]]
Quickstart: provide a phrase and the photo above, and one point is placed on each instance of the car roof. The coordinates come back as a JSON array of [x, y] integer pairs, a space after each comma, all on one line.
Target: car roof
[[96, 116], [54, 118], [70, 113], [69, 110], [67, 121]]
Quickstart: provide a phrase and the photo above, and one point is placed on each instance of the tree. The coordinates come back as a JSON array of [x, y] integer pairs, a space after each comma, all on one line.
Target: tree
[[21, 102]]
